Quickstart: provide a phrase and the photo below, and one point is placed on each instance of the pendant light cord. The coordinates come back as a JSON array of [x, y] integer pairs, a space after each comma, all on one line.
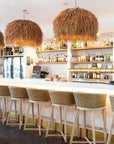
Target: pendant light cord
[[24, 14], [75, 3]]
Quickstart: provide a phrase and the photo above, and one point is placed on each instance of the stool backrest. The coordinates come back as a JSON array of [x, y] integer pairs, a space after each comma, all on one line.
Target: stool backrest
[[4, 91], [38, 94], [90, 100], [18, 92], [112, 101], [62, 97]]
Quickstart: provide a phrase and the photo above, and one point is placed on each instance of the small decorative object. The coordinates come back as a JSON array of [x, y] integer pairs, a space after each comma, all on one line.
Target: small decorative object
[[94, 65], [89, 66], [109, 66], [28, 60], [75, 24], [99, 65], [106, 77], [1, 40], [104, 64]]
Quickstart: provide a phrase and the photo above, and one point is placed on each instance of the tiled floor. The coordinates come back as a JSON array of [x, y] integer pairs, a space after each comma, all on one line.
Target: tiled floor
[[12, 135]]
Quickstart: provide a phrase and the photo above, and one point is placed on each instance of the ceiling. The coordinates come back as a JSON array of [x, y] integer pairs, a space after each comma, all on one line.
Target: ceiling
[[43, 12]]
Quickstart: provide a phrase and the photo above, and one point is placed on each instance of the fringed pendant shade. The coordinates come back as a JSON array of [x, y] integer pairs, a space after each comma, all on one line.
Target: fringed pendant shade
[[23, 33], [75, 24], [1, 40]]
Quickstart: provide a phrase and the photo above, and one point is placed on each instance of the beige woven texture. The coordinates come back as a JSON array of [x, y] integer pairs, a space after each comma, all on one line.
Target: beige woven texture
[[38, 95], [112, 102], [17, 92], [4, 91], [62, 98], [90, 100]]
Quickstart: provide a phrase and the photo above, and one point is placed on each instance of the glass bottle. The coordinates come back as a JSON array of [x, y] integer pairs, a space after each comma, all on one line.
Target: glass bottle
[[49, 58]]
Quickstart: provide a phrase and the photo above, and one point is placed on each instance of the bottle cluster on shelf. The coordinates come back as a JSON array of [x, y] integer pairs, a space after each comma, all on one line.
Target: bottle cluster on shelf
[[52, 46], [13, 51], [103, 65], [79, 44], [90, 76], [59, 57], [85, 58]]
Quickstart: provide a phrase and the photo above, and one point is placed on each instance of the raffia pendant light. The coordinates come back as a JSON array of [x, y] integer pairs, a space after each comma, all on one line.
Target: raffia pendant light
[[23, 33], [75, 24], [1, 40]]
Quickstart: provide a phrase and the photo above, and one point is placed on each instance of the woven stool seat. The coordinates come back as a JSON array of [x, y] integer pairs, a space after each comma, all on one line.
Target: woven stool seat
[[39, 97], [90, 100], [62, 98], [17, 94], [4, 91]]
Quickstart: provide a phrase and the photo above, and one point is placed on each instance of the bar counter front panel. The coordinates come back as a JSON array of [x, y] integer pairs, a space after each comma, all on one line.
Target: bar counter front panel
[[68, 86]]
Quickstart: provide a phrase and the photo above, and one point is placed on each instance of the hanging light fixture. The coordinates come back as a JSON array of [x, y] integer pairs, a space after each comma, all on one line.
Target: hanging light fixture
[[23, 33], [75, 24], [1, 40]]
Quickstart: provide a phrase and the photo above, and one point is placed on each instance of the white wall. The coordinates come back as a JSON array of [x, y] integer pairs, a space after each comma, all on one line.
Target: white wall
[[106, 23]]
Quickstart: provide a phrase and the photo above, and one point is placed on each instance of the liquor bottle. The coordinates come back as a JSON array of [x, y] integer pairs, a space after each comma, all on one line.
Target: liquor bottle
[[108, 57], [102, 59], [49, 58], [74, 44], [88, 57], [57, 58]]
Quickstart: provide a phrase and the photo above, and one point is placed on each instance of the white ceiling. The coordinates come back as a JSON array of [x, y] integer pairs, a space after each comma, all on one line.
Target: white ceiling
[[43, 12]]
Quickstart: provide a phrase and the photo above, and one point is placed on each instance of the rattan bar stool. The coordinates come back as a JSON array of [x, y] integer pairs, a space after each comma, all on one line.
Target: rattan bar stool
[[4, 95], [89, 102], [64, 100], [17, 94], [39, 97], [112, 123]]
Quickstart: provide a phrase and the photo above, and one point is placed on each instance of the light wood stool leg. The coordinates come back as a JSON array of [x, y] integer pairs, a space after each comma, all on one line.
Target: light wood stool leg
[[53, 120], [33, 112], [65, 125], [60, 118], [9, 112], [27, 116], [15, 104], [93, 127], [3, 111], [110, 132], [73, 128], [20, 119], [84, 123], [51, 113], [39, 118], [104, 122]]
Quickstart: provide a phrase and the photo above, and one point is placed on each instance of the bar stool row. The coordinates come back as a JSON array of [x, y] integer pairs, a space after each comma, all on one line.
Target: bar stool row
[[64, 100]]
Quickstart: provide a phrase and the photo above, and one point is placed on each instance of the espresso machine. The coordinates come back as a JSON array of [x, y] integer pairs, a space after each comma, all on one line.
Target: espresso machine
[[37, 73]]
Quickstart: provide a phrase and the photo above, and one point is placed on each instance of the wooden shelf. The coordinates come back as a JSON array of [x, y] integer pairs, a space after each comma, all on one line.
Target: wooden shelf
[[92, 70], [86, 62], [86, 79], [13, 56], [51, 63], [91, 48], [55, 50], [1, 64]]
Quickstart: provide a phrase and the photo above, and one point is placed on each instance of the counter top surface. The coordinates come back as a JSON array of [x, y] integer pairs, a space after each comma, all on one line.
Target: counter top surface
[[64, 86]]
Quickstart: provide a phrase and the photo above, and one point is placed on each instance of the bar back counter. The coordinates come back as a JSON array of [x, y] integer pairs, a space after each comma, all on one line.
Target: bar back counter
[[70, 87]]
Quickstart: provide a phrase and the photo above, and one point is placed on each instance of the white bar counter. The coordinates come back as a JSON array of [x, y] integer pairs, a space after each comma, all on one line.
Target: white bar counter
[[68, 86]]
